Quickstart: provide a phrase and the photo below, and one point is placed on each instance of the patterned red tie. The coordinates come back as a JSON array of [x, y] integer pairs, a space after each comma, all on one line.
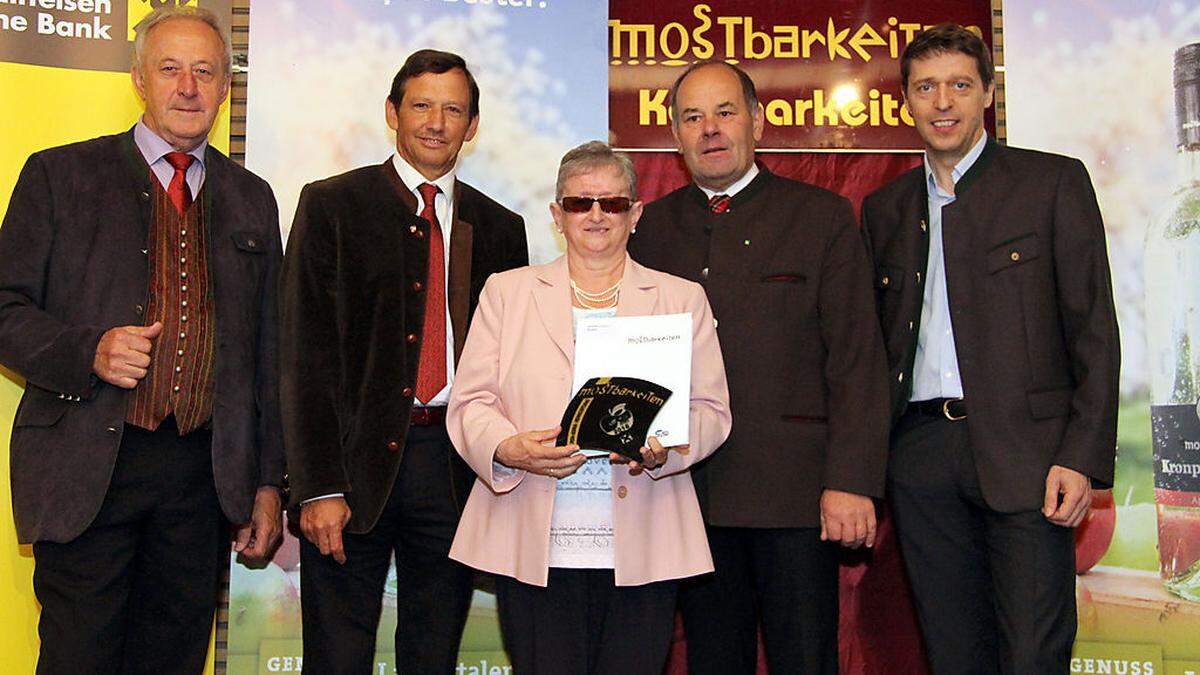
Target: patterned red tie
[[178, 191], [719, 203], [431, 369]]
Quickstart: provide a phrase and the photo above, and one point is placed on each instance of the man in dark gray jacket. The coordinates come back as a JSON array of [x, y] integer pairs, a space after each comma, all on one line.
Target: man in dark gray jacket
[[137, 299]]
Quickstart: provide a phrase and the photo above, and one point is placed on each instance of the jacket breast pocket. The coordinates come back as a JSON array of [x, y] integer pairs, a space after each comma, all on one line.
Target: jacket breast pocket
[[249, 242], [1013, 253], [783, 278]]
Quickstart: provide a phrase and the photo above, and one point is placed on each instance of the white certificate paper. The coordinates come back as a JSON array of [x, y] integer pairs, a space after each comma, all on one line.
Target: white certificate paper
[[656, 348]]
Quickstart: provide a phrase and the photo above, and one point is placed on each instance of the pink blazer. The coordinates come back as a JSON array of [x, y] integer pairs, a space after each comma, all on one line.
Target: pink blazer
[[515, 375]]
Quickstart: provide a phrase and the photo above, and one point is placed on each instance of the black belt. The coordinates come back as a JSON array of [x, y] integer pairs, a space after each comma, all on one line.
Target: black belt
[[427, 416], [953, 409]]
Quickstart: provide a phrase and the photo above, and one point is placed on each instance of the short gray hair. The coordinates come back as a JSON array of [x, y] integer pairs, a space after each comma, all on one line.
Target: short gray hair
[[171, 12], [589, 157]]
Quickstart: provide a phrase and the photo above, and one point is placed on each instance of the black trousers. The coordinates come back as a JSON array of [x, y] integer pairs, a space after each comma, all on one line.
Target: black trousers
[[582, 623], [136, 592], [785, 578], [995, 592], [341, 604]]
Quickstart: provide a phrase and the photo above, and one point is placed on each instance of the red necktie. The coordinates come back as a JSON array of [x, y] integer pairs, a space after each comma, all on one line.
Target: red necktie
[[719, 203], [431, 369], [178, 190]]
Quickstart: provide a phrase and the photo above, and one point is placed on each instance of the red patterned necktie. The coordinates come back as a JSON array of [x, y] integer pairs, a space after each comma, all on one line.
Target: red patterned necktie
[[431, 369], [178, 191], [719, 203]]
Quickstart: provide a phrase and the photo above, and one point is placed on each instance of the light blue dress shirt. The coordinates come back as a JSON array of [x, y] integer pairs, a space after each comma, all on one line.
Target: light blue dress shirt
[[935, 370], [154, 149]]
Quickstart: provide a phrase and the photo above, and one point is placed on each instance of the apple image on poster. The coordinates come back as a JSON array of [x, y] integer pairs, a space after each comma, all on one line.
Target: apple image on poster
[[1095, 533]]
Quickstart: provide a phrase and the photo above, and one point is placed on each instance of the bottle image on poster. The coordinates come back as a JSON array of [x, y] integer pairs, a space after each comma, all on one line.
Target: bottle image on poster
[[1172, 269]]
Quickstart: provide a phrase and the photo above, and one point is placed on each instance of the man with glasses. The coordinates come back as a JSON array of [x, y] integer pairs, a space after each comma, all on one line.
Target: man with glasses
[[383, 271], [790, 285]]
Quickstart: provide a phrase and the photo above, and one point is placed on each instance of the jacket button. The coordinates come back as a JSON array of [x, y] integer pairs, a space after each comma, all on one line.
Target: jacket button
[[410, 338], [139, 309], [393, 446], [419, 234], [886, 280], [406, 392], [111, 430], [622, 491], [1015, 256], [924, 226], [418, 286]]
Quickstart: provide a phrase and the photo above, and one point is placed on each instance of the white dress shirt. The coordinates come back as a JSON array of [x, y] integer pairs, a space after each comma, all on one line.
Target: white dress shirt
[[443, 206]]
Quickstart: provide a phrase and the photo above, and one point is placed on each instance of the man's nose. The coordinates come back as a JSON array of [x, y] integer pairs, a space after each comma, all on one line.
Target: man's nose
[[186, 84], [942, 99], [436, 118]]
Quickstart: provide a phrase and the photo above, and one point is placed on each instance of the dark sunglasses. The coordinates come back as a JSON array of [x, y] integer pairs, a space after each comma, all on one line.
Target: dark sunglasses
[[607, 204]]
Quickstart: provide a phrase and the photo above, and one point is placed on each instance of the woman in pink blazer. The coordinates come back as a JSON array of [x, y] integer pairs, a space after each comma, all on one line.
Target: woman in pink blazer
[[587, 553]]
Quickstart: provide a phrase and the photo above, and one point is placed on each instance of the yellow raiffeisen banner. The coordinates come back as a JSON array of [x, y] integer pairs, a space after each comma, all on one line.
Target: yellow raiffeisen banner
[[64, 77]]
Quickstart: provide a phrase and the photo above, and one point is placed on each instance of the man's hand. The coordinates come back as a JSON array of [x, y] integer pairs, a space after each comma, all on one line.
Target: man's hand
[[847, 518], [123, 354], [258, 538], [528, 451], [1076, 491], [322, 521]]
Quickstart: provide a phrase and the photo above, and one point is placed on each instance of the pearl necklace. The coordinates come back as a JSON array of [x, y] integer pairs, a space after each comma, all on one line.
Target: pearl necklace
[[605, 299]]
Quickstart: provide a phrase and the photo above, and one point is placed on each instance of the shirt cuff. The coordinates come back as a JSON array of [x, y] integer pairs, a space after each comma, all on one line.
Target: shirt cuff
[[328, 496]]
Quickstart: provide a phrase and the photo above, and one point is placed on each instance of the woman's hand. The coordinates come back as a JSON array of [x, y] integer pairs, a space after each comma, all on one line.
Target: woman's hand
[[528, 451], [654, 455]]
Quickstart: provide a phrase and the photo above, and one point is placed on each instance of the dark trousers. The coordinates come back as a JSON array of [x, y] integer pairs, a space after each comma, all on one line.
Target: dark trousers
[[342, 603], [995, 592], [785, 578], [136, 592], [583, 623]]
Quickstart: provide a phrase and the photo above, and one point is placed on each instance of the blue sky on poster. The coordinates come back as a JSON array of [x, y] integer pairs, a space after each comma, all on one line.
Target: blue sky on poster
[[319, 73], [1092, 79]]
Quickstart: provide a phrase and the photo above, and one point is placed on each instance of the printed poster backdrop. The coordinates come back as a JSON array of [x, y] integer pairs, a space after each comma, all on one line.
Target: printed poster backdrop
[[64, 77], [319, 78], [826, 71], [1093, 79]]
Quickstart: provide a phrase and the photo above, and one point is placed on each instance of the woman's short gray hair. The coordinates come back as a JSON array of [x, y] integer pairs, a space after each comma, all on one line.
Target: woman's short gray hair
[[589, 157], [170, 12]]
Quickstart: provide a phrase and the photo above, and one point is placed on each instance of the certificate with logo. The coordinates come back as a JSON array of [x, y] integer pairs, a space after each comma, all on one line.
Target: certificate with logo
[[639, 360]]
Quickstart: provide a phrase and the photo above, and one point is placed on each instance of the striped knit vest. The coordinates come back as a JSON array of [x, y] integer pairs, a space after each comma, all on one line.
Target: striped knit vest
[[180, 377]]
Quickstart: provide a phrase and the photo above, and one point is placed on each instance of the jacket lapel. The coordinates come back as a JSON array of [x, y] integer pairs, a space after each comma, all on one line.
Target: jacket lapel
[[968, 222], [458, 291], [552, 287], [639, 292]]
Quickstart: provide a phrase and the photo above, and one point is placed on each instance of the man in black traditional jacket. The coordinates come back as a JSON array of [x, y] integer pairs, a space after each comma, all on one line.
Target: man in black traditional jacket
[[383, 270]]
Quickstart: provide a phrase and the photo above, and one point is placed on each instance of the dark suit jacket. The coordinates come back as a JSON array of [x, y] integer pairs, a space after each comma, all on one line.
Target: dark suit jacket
[[352, 320], [1032, 310], [790, 285], [72, 265]]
